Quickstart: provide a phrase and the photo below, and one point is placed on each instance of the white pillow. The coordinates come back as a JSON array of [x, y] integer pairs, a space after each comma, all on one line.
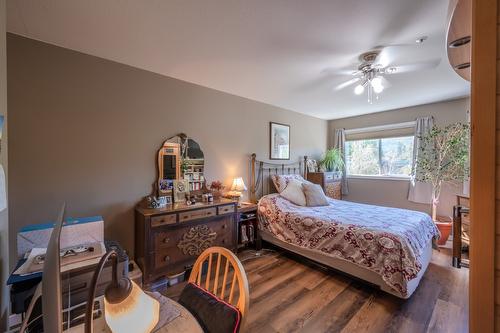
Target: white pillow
[[281, 181], [293, 192], [314, 195]]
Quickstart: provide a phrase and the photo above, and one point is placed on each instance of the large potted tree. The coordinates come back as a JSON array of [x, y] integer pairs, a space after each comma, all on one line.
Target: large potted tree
[[443, 157]]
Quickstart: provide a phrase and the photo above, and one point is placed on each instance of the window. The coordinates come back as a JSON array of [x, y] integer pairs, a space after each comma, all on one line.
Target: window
[[386, 157]]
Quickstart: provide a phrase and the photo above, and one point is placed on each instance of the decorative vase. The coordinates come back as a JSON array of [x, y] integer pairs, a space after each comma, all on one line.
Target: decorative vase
[[217, 194]]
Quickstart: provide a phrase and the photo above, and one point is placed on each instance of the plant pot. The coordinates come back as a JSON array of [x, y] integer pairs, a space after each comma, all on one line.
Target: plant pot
[[445, 230]]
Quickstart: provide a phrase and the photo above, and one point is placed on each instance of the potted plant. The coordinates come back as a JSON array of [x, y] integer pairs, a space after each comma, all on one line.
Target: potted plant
[[443, 157], [333, 161]]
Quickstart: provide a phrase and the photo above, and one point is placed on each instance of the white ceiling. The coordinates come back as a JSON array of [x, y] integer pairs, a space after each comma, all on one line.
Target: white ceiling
[[280, 52]]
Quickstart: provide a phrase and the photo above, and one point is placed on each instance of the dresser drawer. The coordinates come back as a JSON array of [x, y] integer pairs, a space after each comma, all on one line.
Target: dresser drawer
[[197, 214], [329, 177], [163, 259], [160, 220], [163, 240], [226, 209], [176, 247]]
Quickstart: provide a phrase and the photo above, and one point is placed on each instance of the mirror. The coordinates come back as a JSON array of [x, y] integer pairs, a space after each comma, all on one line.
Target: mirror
[[181, 163]]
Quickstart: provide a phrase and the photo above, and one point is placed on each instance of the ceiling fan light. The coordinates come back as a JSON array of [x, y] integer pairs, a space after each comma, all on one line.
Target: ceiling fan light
[[378, 89], [359, 89], [376, 82]]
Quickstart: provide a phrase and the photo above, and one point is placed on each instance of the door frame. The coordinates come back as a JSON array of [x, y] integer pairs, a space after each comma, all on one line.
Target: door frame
[[483, 151]]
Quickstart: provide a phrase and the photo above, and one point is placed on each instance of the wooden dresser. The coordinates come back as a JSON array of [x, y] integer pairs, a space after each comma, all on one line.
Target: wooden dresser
[[330, 183], [168, 240]]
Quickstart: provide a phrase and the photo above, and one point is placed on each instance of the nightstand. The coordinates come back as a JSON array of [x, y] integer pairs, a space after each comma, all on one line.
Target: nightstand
[[329, 181], [247, 226]]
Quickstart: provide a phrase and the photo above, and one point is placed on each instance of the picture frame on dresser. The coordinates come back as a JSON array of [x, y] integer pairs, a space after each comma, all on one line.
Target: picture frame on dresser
[[279, 141], [181, 189]]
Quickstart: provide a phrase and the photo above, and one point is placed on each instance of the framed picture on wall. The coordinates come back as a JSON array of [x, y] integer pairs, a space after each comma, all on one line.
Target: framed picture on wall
[[279, 141]]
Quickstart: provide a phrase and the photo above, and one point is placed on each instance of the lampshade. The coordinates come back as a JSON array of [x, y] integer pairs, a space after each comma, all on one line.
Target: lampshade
[[138, 313], [238, 185]]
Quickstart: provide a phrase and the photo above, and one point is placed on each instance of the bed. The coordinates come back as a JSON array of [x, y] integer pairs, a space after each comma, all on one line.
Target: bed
[[387, 247]]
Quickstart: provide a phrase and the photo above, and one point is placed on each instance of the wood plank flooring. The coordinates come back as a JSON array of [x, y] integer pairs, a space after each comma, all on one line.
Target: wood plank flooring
[[290, 295]]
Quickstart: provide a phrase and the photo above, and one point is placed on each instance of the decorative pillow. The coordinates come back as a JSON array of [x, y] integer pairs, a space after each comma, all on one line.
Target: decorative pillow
[[314, 195], [293, 192], [281, 181], [213, 314]]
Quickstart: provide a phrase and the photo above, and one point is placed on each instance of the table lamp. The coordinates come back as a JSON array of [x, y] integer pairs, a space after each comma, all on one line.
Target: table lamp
[[126, 307], [237, 187]]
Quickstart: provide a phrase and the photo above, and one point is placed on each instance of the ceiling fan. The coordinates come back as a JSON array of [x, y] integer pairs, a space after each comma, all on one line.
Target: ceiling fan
[[375, 65]]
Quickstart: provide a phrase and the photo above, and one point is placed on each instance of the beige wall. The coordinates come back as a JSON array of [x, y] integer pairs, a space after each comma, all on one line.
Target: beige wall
[[394, 192], [86, 131], [4, 221]]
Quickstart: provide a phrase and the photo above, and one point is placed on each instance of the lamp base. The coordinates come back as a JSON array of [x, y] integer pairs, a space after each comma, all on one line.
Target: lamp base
[[233, 195]]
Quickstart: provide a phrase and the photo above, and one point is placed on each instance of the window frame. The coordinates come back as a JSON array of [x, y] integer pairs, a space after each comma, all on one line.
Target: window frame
[[379, 177]]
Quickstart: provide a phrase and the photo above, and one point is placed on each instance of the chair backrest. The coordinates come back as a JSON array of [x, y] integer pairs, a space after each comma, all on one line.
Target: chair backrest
[[234, 278]]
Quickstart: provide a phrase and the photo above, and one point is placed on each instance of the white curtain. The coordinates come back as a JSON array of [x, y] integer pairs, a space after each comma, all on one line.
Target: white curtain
[[419, 191], [340, 144]]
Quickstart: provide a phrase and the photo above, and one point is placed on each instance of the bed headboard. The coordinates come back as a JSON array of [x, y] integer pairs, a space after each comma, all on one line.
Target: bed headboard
[[261, 172]]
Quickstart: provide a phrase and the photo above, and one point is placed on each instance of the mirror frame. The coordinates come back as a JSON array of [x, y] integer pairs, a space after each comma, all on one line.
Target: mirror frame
[[162, 152]]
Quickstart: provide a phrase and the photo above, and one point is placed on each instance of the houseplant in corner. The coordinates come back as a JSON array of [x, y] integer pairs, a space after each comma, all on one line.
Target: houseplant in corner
[[443, 157], [333, 161]]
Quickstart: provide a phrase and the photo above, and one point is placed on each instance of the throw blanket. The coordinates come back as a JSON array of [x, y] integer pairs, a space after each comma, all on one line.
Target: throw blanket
[[388, 241]]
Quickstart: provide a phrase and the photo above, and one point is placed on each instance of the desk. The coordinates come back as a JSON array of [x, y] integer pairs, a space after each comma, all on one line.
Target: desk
[[183, 323]]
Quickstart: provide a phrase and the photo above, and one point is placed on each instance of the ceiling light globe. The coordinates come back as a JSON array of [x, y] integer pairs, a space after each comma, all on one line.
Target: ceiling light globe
[[376, 81], [378, 89], [358, 90]]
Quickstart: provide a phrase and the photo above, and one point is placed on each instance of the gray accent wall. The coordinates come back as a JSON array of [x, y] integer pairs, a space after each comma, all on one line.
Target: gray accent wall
[[87, 130], [394, 193]]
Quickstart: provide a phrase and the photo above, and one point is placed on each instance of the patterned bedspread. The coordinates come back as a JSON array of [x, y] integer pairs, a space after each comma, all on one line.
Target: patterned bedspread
[[388, 241]]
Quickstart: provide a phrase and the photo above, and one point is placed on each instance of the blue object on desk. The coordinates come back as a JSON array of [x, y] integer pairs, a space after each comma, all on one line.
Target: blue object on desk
[[15, 278]]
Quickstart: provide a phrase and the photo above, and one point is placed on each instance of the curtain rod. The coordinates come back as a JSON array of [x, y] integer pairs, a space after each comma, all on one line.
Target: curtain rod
[[380, 128]]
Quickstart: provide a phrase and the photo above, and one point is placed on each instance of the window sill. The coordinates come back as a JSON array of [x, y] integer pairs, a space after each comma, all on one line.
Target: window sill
[[400, 178]]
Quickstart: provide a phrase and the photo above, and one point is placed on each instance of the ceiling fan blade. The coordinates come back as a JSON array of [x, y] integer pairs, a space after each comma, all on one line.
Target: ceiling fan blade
[[347, 83], [386, 57], [417, 66], [347, 71]]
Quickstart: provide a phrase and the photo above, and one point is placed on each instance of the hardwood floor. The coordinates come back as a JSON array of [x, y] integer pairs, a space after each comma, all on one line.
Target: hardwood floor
[[288, 295]]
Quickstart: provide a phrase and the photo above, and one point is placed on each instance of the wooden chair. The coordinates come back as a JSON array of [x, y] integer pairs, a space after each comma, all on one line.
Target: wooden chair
[[232, 267]]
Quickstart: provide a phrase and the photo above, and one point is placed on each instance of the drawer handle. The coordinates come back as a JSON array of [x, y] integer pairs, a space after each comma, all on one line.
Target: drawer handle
[[223, 241], [224, 226], [167, 258], [166, 240]]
